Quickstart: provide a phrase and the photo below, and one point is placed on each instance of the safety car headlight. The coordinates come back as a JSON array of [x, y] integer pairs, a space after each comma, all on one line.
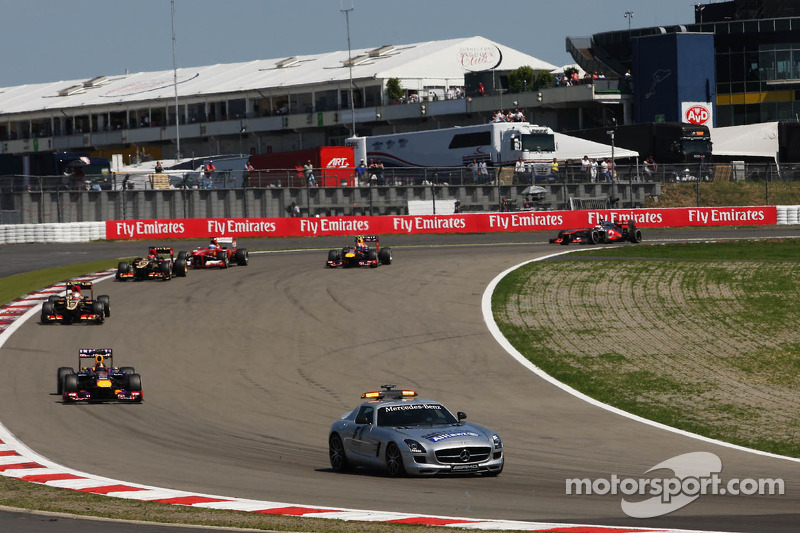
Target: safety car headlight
[[498, 443], [414, 446]]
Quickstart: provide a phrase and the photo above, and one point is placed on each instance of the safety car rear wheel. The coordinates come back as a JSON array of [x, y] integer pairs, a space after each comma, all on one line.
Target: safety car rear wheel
[[62, 372], [394, 460], [336, 454]]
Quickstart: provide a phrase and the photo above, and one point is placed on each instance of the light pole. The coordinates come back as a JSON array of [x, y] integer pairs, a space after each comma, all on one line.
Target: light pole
[[629, 15], [350, 62], [175, 84]]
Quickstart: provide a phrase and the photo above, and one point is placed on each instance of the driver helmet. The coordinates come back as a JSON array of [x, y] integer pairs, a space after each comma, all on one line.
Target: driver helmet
[[98, 361], [360, 240], [212, 245]]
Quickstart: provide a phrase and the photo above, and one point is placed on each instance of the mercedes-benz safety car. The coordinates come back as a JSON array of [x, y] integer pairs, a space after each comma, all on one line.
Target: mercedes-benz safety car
[[394, 431], [73, 306], [97, 379], [220, 252], [360, 253], [160, 263], [605, 232]]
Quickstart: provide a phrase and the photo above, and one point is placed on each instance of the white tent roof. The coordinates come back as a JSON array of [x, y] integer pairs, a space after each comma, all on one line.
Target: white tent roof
[[751, 140], [416, 65], [575, 148]]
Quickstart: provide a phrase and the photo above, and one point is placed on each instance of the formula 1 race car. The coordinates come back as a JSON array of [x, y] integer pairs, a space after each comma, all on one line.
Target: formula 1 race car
[[221, 252], [395, 431], [97, 379], [160, 263], [360, 254], [73, 306], [604, 232]]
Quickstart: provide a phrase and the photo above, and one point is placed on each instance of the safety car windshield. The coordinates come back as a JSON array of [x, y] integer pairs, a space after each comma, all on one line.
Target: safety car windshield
[[415, 414]]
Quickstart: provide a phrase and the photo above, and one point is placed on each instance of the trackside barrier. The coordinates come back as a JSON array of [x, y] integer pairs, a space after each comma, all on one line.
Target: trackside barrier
[[193, 228]]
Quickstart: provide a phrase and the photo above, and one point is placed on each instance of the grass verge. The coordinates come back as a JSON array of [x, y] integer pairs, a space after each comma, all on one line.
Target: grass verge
[[694, 336]]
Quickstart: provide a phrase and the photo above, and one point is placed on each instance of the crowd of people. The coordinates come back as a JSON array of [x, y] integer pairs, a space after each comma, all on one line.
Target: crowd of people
[[511, 116]]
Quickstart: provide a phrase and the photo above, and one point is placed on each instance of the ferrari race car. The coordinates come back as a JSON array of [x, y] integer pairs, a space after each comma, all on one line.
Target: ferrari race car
[[97, 379], [160, 263], [360, 254], [395, 431], [604, 232], [221, 252], [73, 306]]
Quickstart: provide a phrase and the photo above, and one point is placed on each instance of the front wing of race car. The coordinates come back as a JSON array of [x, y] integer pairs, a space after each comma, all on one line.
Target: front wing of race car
[[120, 395]]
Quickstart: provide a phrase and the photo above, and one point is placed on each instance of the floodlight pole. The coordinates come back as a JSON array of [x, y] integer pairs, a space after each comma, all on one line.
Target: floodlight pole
[[175, 84], [350, 64], [629, 15]]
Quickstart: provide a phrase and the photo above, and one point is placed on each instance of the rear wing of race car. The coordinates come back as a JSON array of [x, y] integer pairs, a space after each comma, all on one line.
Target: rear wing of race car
[[81, 284], [161, 250], [371, 238], [221, 241], [90, 353]]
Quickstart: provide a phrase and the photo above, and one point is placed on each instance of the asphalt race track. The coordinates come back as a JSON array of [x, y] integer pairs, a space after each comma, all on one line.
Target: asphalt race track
[[244, 370]]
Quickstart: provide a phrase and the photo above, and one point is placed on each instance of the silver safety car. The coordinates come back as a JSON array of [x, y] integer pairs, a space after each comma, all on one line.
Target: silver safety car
[[395, 431]]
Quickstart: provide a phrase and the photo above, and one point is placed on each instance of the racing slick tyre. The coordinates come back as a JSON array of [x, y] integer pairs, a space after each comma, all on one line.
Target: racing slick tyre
[[48, 309], [100, 310], [122, 268], [385, 256], [222, 255], [182, 255], [242, 257], [372, 257], [166, 270], [52, 299], [63, 371], [134, 383], [105, 299], [127, 370], [634, 234], [70, 385], [394, 460], [566, 239], [336, 454], [594, 237], [180, 268]]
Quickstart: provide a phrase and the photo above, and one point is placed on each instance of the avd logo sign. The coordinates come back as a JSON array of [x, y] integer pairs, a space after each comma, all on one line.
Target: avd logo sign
[[697, 113]]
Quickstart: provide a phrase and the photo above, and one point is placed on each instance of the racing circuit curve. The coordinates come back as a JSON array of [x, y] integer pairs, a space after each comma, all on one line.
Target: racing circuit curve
[[244, 371]]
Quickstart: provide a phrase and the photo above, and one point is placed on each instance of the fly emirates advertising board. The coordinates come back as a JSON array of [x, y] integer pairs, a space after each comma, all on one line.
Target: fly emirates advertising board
[[192, 228]]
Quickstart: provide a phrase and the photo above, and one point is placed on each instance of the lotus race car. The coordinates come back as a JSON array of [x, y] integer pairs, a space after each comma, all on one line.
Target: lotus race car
[[160, 263], [360, 254], [221, 252], [604, 232], [72, 306], [97, 379], [395, 431]]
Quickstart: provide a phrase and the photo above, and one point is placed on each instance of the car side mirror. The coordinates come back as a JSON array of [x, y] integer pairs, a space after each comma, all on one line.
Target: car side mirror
[[362, 419], [462, 416]]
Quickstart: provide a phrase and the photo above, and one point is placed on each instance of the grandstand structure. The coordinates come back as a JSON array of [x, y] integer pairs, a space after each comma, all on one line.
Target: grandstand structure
[[278, 104]]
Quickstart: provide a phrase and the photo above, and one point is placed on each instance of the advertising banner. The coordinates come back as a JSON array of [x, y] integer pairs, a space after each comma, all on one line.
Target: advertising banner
[[192, 228]]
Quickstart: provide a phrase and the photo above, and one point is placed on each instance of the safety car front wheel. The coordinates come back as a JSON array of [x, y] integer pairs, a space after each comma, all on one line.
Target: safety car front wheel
[[336, 454]]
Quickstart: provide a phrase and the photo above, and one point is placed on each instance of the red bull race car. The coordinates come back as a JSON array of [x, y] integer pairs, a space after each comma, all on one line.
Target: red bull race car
[[98, 380], [360, 254], [220, 253], [604, 232], [73, 306], [160, 263]]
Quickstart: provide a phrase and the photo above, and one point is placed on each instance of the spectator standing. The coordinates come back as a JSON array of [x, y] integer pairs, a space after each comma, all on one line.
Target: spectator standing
[[294, 210], [209, 174], [586, 167], [361, 171], [604, 170], [519, 171], [308, 170], [481, 90], [475, 170], [484, 172], [650, 168], [457, 206], [381, 177], [248, 169], [159, 167], [554, 168]]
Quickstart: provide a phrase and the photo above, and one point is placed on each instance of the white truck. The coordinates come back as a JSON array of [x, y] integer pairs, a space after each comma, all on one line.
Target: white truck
[[498, 143]]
